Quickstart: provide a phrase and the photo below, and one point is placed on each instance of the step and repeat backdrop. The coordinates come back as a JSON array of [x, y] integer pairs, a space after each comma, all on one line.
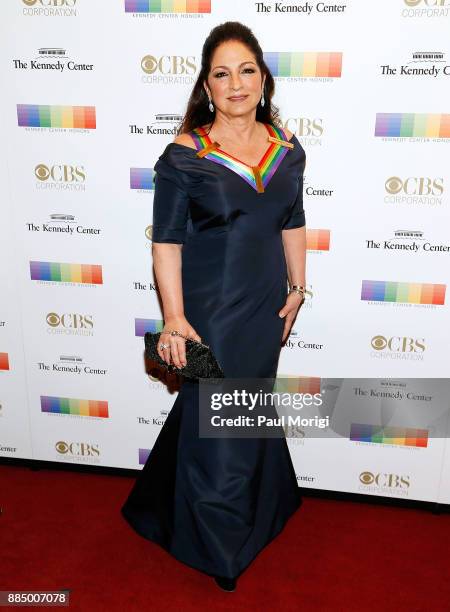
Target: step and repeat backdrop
[[93, 91]]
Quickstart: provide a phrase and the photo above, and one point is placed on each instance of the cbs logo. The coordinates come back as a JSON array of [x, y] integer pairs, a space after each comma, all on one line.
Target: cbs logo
[[414, 186], [60, 173], [168, 64], [302, 126], [398, 344], [384, 480], [413, 3], [80, 449], [50, 2], [70, 321]]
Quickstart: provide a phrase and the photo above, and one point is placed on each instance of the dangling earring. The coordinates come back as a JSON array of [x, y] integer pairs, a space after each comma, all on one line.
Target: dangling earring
[[211, 105], [262, 98]]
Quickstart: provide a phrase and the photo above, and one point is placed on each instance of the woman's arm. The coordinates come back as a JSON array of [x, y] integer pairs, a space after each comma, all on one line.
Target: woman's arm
[[167, 264], [294, 244], [170, 218]]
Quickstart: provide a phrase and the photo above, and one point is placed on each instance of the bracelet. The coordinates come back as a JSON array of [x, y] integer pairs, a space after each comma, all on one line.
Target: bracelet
[[300, 289]]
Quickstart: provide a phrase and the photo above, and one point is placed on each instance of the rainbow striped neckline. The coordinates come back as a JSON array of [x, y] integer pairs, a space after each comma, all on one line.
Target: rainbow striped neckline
[[256, 176]]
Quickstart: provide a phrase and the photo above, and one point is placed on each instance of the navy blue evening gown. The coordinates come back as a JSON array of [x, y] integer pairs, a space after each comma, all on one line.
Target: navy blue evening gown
[[215, 503]]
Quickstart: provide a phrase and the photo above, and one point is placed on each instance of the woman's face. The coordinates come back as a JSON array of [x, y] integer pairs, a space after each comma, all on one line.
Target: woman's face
[[235, 81]]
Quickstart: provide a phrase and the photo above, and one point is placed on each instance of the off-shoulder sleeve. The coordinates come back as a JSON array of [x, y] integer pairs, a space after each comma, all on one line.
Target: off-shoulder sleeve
[[297, 214], [170, 204]]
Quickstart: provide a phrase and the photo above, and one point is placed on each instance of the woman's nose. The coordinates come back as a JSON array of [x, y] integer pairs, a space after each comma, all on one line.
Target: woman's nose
[[235, 81]]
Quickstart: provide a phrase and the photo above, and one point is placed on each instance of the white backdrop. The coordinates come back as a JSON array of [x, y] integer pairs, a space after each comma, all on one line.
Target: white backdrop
[[92, 92]]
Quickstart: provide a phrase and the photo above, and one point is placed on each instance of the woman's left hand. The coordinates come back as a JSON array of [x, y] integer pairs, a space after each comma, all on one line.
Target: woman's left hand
[[289, 312]]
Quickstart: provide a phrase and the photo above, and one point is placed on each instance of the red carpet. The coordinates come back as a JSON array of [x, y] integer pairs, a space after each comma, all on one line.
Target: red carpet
[[62, 529]]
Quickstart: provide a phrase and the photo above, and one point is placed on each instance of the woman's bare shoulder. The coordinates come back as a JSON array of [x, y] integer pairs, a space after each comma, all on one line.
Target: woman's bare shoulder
[[185, 140]]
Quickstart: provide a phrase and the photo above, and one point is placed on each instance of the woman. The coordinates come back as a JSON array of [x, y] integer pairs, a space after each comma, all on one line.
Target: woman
[[228, 235]]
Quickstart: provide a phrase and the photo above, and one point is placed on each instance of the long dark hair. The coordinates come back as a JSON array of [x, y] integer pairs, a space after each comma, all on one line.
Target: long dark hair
[[197, 112]]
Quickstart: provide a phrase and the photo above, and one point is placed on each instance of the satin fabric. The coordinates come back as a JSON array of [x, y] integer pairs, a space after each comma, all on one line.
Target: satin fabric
[[215, 503]]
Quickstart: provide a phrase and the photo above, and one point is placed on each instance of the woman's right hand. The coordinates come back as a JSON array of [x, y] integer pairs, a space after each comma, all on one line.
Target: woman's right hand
[[177, 349]]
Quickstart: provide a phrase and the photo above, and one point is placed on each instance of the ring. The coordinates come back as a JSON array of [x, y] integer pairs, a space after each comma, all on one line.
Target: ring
[[163, 346]]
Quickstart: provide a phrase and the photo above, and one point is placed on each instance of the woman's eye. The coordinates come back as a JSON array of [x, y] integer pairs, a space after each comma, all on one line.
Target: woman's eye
[[221, 74]]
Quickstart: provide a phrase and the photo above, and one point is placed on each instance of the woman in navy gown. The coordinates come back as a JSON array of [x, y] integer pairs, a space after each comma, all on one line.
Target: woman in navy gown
[[228, 238]]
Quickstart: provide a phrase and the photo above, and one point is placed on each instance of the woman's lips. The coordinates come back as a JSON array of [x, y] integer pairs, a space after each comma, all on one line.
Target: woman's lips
[[237, 98]]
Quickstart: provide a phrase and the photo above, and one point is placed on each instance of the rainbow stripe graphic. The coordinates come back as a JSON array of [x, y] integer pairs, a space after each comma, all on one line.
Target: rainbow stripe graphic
[[403, 436], [66, 272], [318, 239], [4, 361], [144, 455], [304, 64], [267, 166], [297, 384], [44, 115], [411, 293], [408, 125], [68, 405], [141, 326], [167, 6], [142, 178]]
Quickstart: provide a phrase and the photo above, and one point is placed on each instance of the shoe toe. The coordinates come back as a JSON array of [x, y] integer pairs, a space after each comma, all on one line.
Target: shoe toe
[[226, 584]]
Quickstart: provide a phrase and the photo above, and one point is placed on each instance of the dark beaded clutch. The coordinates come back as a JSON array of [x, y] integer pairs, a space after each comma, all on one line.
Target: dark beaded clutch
[[200, 360]]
